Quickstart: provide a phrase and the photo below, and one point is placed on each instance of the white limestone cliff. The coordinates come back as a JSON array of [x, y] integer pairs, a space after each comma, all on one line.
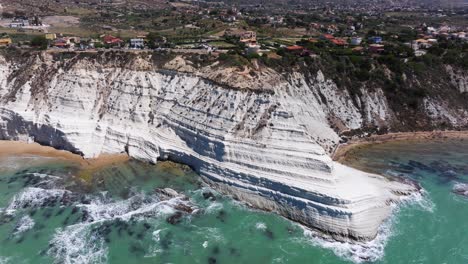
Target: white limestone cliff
[[268, 148]]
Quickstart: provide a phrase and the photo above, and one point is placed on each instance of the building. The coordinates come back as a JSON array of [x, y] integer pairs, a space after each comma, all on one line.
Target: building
[[339, 42], [327, 37], [248, 37], [375, 40], [137, 43], [112, 41], [356, 41], [298, 50], [87, 43], [19, 22], [51, 36], [252, 48], [376, 48], [62, 43], [5, 41], [423, 43]]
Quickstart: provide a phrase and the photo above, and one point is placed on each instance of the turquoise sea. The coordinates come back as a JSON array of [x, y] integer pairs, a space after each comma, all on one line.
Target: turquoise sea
[[49, 214]]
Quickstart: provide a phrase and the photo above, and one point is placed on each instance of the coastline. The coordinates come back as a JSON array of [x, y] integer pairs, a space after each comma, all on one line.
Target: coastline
[[341, 152], [19, 148]]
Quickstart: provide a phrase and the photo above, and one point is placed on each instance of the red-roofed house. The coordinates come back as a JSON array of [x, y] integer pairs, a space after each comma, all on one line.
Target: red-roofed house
[[62, 43], [339, 42], [112, 41], [328, 37], [298, 50]]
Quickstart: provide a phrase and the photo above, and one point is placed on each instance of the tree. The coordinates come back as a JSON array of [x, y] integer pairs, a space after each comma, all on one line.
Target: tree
[[40, 42]]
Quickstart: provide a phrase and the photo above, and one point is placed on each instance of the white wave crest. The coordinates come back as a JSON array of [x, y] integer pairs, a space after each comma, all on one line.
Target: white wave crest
[[420, 200], [356, 252], [138, 206], [370, 251], [25, 223], [33, 197], [261, 226], [155, 249], [76, 244]]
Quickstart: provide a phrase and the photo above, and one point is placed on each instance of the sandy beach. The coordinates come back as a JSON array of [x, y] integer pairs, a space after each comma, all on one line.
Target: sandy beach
[[12, 148], [343, 149]]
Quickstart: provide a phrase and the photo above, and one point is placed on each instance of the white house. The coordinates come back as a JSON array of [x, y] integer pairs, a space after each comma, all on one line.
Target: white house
[[137, 43]]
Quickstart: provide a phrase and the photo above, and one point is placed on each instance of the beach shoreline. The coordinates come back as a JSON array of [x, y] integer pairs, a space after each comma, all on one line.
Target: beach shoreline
[[341, 152], [21, 148]]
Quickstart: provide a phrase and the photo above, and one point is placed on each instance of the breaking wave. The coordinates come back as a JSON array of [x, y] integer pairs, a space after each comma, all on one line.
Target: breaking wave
[[32, 197], [24, 224], [77, 244], [371, 251], [85, 241]]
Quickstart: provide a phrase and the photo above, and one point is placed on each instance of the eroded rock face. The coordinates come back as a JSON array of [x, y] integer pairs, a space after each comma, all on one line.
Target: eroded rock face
[[268, 148]]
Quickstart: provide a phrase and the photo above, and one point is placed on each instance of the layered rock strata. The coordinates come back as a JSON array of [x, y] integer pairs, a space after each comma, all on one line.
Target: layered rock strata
[[268, 147]]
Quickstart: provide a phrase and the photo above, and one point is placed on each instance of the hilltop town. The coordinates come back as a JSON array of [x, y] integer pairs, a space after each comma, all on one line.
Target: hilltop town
[[241, 31]]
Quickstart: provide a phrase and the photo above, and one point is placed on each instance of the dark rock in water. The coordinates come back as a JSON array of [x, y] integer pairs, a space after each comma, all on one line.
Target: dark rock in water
[[12, 180], [136, 249], [166, 240], [60, 211], [234, 252], [222, 215], [461, 189], [47, 213], [409, 181], [36, 235], [212, 260], [66, 199], [33, 212], [269, 234], [20, 240], [175, 218], [420, 166], [49, 202], [209, 196], [85, 216], [39, 226], [140, 236], [85, 200], [6, 219], [449, 174], [74, 210], [107, 240], [401, 167], [166, 193], [184, 208], [215, 250], [146, 226]]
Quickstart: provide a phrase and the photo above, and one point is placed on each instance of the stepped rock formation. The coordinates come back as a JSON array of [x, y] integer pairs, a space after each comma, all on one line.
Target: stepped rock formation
[[265, 140]]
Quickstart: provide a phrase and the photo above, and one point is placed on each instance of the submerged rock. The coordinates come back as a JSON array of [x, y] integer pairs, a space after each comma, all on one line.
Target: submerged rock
[[184, 208], [175, 218], [421, 166], [209, 196], [461, 189], [166, 193]]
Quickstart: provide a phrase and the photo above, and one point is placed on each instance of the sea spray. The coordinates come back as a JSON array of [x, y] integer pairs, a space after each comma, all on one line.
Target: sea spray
[[374, 250], [25, 223]]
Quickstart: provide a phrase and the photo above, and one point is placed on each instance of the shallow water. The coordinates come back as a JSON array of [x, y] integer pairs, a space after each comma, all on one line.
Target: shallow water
[[50, 215]]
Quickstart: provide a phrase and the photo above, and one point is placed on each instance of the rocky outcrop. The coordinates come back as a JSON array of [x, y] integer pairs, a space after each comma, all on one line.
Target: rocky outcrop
[[267, 147]]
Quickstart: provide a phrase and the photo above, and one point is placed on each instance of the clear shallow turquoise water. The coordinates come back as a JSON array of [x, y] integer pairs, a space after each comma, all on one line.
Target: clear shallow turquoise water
[[120, 219]]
